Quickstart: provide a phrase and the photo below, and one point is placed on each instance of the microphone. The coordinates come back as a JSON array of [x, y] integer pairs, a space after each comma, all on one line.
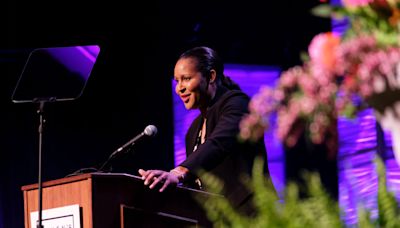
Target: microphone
[[150, 131]]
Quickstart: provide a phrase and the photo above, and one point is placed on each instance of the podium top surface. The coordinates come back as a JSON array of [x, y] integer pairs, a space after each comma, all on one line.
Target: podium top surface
[[79, 178], [121, 176]]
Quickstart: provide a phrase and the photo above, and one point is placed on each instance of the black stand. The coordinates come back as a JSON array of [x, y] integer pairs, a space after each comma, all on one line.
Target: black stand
[[120, 150], [40, 111]]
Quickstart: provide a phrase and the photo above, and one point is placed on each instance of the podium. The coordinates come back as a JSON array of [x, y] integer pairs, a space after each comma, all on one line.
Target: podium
[[119, 200]]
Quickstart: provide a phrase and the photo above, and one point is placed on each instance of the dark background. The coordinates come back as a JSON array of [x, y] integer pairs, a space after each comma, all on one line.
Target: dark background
[[130, 85]]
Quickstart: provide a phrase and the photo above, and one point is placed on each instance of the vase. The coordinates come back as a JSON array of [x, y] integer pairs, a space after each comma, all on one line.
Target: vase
[[386, 107]]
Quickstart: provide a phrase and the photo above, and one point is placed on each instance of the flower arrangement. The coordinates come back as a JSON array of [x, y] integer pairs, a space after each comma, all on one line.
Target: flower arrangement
[[340, 75]]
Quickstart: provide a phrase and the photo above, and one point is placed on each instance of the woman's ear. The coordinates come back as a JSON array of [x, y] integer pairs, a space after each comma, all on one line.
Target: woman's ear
[[213, 76]]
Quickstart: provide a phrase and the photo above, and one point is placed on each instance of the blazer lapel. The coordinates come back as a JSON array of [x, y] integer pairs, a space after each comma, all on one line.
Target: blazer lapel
[[192, 134]]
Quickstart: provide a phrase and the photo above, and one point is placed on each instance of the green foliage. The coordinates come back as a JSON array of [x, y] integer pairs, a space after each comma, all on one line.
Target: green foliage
[[316, 210], [387, 205], [368, 19]]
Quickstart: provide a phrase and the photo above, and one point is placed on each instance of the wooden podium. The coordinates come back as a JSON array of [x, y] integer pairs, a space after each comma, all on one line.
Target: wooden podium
[[119, 200]]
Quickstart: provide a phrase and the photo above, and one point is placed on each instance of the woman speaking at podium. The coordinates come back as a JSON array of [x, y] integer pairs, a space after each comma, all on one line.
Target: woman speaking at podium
[[212, 140]]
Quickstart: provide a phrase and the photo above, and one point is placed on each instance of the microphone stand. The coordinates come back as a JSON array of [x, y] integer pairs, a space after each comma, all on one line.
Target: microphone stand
[[40, 111], [122, 148], [150, 130]]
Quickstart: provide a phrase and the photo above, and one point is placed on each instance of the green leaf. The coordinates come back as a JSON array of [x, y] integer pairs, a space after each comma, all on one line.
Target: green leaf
[[304, 56], [349, 111], [386, 38], [323, 10]]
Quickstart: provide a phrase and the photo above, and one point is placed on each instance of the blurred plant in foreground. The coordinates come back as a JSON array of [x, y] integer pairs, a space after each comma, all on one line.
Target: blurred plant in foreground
[[316, 210]]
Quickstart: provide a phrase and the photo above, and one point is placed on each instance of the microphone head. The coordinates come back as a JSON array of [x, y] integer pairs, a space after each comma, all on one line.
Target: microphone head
[[150, 130]]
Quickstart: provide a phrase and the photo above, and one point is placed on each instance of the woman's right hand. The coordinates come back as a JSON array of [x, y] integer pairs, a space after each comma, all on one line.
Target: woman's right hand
[[159, 178]]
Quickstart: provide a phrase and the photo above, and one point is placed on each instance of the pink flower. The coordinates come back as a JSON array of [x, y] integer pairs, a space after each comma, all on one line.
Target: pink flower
[[322, 50], [322, 75], [288, 78], [308, 85], [327, 93], [264, 102], [356, 3], [252, 127], [308, 105]]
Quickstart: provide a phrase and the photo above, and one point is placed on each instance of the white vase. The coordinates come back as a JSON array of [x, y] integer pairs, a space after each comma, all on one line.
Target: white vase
[[390, 120]]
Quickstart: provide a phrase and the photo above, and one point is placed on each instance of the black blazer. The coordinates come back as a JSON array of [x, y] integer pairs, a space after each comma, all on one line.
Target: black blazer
[[222, 154]]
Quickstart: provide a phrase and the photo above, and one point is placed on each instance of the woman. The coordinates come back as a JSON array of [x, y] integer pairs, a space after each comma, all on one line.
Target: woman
[[211, 141]]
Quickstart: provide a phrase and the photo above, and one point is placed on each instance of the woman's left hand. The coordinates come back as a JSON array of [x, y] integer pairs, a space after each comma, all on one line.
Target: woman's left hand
[[158, 177]]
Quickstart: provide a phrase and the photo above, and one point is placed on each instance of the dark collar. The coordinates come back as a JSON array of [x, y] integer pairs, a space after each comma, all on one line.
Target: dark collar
[[221, 90]]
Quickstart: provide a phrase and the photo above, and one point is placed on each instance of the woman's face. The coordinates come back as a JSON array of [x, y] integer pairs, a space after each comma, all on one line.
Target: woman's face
[[191, 86]]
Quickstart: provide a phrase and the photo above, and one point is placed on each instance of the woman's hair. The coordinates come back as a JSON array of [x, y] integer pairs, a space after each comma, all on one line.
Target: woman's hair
[[207, 60]]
